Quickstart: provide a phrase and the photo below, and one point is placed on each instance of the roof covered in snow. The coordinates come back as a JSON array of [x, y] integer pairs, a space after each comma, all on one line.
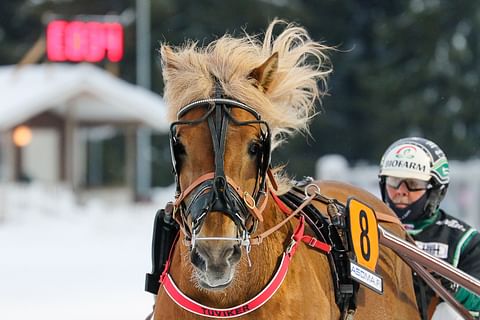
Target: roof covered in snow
[[84, 91]]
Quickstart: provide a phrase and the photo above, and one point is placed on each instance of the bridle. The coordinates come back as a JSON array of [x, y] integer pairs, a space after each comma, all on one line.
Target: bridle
[[215, 191]]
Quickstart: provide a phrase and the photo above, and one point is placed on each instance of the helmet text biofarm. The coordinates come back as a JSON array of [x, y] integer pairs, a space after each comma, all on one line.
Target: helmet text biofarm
[[405, 164]]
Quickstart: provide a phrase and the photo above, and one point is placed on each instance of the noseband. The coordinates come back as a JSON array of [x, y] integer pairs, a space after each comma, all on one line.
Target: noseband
[[215, 191]]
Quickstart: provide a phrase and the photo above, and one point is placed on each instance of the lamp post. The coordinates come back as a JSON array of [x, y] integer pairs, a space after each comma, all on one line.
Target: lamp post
[[144, 172]]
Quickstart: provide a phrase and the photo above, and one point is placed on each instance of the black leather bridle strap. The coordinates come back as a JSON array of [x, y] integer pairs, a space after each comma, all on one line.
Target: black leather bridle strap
[[218, 131], [256, 211]]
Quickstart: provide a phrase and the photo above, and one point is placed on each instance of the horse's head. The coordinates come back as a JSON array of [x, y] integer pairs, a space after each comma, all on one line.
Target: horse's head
[[221, 153], [223, 100]]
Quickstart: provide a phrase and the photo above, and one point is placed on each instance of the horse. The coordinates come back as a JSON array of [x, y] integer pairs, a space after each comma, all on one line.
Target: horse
[[230, 104]]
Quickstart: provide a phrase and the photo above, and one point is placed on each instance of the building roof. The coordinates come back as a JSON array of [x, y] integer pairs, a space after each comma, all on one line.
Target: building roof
[[85, 91]]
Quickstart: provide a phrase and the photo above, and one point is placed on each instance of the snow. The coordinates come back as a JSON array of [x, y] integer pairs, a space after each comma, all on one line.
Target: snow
[[59, 260]]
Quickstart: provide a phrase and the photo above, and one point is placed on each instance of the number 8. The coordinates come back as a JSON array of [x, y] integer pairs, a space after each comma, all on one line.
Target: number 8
[[364, 239]]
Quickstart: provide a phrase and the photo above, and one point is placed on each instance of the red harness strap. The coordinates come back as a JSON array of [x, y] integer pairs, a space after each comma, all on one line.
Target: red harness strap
[[256, 302], [309, 240], [285, 209], [315, 243]]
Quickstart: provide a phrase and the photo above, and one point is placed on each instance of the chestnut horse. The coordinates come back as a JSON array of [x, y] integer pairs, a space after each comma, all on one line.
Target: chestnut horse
[[230, 104]]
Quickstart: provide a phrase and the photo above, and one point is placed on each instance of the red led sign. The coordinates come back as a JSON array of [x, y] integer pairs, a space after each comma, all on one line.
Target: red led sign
[[84, 41]]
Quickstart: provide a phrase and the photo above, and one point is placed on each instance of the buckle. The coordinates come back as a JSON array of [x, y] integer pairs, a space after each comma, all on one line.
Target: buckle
[[290, 246], [311, 187], [248, 200], [313, 241]]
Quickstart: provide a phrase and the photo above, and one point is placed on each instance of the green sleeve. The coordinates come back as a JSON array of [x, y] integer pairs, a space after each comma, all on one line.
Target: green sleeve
[[469, 262], [468, 299]]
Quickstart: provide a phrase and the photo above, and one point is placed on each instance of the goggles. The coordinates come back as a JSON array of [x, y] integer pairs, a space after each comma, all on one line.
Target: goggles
[[411, 184]]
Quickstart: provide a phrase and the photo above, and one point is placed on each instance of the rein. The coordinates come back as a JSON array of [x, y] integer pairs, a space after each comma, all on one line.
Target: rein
[[420, 269], [311, 241], [420, 263]]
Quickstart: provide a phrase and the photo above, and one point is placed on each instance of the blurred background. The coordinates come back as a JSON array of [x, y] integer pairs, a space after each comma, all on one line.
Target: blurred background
[[84, 155]]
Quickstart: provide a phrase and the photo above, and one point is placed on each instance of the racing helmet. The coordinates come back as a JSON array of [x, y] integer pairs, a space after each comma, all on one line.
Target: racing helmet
[[417, 158]]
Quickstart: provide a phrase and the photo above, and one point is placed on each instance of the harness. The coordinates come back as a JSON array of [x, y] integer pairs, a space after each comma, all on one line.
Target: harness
[[326, 239], [215, 191], [331, 231], [293, 204]]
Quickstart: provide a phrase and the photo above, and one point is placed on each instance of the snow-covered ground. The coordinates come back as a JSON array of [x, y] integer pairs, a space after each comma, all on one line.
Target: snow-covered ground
[[59, 260]]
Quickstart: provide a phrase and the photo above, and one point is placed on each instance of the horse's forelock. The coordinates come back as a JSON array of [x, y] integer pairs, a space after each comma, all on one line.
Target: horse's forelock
[[289, 103]]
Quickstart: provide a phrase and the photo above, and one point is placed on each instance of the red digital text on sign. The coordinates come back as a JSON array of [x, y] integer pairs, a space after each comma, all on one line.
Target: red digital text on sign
[[84, 41]]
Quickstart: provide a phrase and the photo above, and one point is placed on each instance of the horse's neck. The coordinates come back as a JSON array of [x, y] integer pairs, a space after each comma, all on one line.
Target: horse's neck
[[249, 280]]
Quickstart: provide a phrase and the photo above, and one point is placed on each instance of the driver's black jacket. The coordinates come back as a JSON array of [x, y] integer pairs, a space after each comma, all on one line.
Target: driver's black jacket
[[454, 241]]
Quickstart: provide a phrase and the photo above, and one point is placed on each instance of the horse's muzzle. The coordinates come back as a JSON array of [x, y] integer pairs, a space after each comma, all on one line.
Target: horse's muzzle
[[215, 263]]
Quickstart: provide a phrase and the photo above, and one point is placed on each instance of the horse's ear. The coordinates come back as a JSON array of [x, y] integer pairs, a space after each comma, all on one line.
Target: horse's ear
[[265, 73], [167, 58]]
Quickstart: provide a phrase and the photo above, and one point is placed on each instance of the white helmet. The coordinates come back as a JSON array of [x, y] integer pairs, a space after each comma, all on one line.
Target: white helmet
[[417, 158]]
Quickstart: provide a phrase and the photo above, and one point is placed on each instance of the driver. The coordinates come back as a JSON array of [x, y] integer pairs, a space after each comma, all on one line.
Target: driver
[[413, 178]]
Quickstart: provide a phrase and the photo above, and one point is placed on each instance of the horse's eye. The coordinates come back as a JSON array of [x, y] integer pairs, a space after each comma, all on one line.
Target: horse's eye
[[254, 148], [178, 147]]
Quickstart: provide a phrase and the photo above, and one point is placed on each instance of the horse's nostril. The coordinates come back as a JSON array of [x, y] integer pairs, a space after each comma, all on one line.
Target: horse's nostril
[[228, 252], [234, 254], [197, 260]]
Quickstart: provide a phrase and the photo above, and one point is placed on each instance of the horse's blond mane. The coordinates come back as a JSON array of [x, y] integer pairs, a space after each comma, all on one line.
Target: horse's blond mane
[[289, 102]]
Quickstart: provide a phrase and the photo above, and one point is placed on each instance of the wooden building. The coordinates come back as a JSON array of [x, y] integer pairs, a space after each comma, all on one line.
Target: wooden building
[[48, 113]]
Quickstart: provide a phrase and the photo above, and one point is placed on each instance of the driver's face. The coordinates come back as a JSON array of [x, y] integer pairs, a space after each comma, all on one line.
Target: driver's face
[[401, 195]]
